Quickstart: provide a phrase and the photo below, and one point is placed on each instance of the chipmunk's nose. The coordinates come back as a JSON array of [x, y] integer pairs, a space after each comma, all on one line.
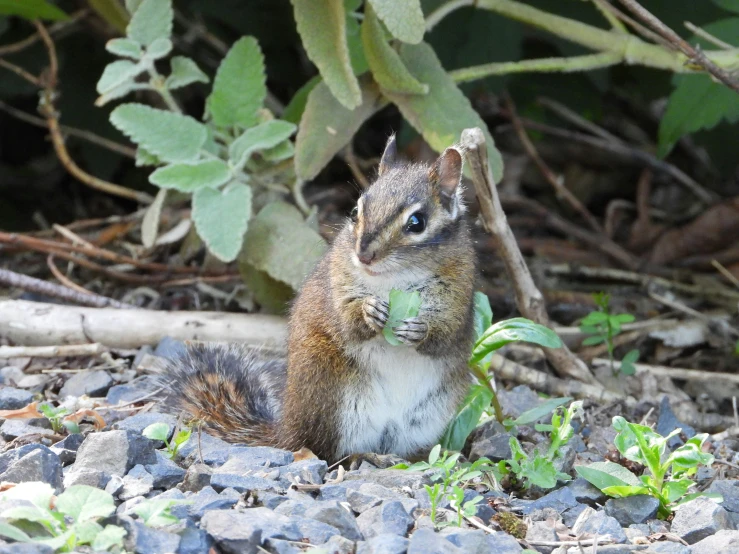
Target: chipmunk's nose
[[366, 257]]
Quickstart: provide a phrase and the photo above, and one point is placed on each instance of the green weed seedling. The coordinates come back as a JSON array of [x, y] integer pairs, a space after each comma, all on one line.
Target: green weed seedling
[[160, 432], [56, 418], [603, 326], [668, 475]]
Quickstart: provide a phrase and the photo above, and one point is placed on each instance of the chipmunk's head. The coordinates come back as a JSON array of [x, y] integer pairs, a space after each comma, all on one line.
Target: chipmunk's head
[[406, 222]]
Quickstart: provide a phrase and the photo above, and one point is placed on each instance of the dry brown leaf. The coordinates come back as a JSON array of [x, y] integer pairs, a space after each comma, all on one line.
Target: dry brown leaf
[[86, 412], [5, 486], [27, 412], [304, 454]]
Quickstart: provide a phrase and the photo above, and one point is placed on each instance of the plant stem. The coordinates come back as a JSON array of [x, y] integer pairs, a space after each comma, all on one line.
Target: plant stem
[[157, 81], [487, 381]]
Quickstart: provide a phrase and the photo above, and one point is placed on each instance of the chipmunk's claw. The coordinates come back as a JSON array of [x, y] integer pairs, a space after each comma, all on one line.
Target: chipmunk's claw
[[411, 332], [375, 312]]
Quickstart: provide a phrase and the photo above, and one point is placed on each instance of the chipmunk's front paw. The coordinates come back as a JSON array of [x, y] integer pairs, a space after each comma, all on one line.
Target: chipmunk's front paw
[[375, 312], [411, 332]]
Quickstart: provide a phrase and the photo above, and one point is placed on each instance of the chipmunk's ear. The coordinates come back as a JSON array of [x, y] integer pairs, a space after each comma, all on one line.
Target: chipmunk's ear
[[446, 174], [389, 156]]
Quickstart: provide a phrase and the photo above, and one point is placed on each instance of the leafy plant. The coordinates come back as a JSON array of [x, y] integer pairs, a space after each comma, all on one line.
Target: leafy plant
[[63, 523], [160, 432], [233, 163], [668, 478], [603, 326], [56, 418]]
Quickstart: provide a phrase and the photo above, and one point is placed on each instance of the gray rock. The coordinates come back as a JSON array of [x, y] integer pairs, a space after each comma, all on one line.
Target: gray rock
[[519, 400], [391, 478], [90, 477], [234, 532], [317, 532], [40, 464], [21, 548], [170, 348], [214, 450], [67, 448], [585, 492], [197, 477], [14, 399], [503, 543], [667, 547], [165, 472], [278, 546], [335, 514], [383, 544], [426, 541], [668, 422], [208, 499], [340, 545], [272, 525], [243, 483], [698, 519], [138, 388], [137, 423], [194, 541], [306, 471], [272, 500], [114, 452], [338, 492], [601, 524], [388, 518], [13, 428], [11, 456], [137, 482], [126, 508], [569, 516], [478, 542], [260, 456], [729, 490], [294, 507], [542, 531], [361, 502], [723, 542], [114, 485], [422, 496], [91, 383], [143, 539], [495, 448], [632, 509], [560, 500]]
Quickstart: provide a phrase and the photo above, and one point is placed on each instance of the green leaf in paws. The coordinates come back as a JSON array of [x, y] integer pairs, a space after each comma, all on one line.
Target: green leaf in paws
[[265, 135], [151, 20], [169, 136], [221, 218], [191, 177], [184, 72], [517, 329], [116, 74], [124, 47], [83, 503], [403, 18], [239, 88], [402, 305]]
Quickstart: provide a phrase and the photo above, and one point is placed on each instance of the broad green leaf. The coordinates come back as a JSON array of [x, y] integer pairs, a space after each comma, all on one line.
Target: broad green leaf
[[191, 177], [442, 114], [32, 9], [403, 18], [124, 47], [273, 296], [607, 474], [540, 472], [12, 532], [731, 5], [169, 136], [624, 318], [594, 318], [143, 157], [517, 329], [327, 126], [150, 222], [434, 454], [151, 20], [112, 12], [156, 511], [83, 503], [322, 26], [628, 361], [239, 88], [111, 536], [689, 456], [86, 531], [483, 315], [674, 490], [182, 437], [295, 108], [117, 73], [467, 418], [63, 542], [280, 243], [354, 40], [221, 218], [184, 72], [28, 513], [157, 431], [639, 443], [387, 67], [592, 341], [543, 409], [402, 305], [265, 135], [159, 48], [38, 493], [282, 151], [622, 491]]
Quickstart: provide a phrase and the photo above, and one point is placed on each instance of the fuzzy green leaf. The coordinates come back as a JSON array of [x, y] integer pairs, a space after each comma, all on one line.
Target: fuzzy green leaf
[[221, 218], [239, 88], [265, 135], [327, 126], [117, 73], [83, 503], [387, 67], [86, 531], [517, 329], [169, 136], [322, 26], [32, 9], [467, 418], [354, 40], [132, 5], [402, 305], [159, 48], [27, 513], [124, 47], [184, 72], [294, 110], [442, 114], [156, 511], [157, 431], [191, 177], [282, 151], [109, 537], [282, 245], [144, 158], [403, 18], [152, 20], [607, 474]]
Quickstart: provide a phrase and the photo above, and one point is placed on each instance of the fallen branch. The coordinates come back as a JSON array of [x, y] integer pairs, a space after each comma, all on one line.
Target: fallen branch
[[59, 351], [675, 372], [38, 323], [529, 299]]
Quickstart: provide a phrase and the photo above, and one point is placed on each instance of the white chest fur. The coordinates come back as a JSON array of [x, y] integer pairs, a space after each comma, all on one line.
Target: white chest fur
[[399, 406]]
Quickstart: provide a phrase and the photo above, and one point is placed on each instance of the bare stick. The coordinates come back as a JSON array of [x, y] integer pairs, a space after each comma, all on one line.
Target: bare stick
[[13, 279], [678, 43], [63, 279], [529, 299], [676, 372], [21, 45], [59, 351]]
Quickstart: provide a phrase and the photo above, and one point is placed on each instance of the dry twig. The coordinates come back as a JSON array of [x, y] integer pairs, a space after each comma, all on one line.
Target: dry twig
[[57, 351]]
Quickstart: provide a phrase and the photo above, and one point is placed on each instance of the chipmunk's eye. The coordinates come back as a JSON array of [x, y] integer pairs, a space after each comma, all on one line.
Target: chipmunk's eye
[[353, 214], [416, 223]]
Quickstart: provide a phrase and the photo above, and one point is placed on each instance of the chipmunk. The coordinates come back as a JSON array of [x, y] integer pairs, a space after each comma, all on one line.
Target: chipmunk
[[344, 389]]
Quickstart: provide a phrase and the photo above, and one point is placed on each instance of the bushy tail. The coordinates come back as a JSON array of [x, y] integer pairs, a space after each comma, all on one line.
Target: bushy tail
[[235, 391]]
